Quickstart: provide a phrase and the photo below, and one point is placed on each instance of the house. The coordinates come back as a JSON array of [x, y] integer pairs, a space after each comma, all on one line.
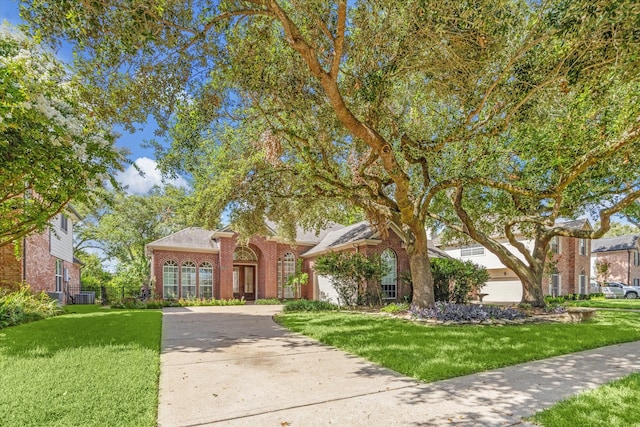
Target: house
[[570, 255], [199, 263], [622, 256], [45, 260]]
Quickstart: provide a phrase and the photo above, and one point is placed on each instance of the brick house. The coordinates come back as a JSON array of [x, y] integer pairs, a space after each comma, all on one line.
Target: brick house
[[46, 261], [623, 256], [199, 263], [570, 255]]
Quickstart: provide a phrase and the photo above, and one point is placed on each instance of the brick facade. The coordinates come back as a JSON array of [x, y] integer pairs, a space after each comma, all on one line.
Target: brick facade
[[268, 251], [570, 265], [623, 265], [36, 267]]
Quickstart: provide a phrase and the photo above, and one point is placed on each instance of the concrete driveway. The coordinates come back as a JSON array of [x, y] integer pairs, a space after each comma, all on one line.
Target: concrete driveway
[[234, 366]]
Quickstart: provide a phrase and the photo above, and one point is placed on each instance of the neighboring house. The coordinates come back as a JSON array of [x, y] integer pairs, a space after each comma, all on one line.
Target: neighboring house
[[199, 263], [46, 261], [622, 255], [570, 255]]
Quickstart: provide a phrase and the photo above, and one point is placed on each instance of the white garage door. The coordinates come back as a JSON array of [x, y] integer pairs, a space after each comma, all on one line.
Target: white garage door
[[326, 291], [502, 291]]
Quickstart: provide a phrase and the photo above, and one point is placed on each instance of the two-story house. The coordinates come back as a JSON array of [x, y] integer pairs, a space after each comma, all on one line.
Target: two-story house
[[621, 255], [44, 260], [571, 257]]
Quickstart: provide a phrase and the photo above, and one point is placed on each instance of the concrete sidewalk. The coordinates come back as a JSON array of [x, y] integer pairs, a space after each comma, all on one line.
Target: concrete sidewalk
[[234, 366]]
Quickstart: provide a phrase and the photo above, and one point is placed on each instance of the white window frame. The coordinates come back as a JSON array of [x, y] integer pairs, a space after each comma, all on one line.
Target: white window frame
[[58, 274], [64, 223], [582, 284], [555, 244], [582, 246], [389, 282], [636, 282], [636, 258], [244, 253], [551, 285], [472, 250], [286, 269], [170, 273], [188, 280], [205, 280]]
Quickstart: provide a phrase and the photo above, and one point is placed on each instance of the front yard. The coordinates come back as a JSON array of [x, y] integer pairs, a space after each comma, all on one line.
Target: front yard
[[432, 353], [95, 367]]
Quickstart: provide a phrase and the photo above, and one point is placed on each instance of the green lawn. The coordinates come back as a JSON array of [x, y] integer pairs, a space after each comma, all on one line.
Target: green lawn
[[432, 353], [631, 304], [612, 405], [95, 367]]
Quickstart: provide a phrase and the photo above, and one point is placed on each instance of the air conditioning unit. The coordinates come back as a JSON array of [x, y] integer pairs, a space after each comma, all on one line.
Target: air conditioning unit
[[59, 296]]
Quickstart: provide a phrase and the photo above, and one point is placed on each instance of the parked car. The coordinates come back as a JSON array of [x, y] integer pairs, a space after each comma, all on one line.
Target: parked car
[[615, 289]]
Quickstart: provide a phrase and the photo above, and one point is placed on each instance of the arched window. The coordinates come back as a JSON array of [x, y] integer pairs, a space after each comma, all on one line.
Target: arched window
[[205, 280], [244, 253], [286, 269], [170, 280], [390, 280], [188, 280]]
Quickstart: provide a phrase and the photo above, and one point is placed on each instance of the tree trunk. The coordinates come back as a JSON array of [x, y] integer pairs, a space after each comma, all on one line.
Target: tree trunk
[[420, 267], [532, 292]]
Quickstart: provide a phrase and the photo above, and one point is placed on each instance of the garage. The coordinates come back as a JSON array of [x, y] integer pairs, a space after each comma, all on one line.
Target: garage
[[502, 291]]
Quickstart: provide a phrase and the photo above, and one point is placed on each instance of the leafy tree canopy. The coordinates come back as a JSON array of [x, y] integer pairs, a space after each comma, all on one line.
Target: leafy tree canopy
[[477, 114], [53, 150]]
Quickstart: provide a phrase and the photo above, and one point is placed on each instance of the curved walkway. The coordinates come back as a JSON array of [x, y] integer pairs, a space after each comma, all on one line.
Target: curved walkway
[[233, 366]]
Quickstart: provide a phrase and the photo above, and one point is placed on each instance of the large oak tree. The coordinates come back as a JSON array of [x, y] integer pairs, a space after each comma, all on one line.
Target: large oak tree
[[407, 109]]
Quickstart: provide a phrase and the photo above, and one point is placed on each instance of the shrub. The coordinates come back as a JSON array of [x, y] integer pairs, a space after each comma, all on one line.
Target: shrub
[[395, 307], [134, 303], [455, 280], [268, 301], [554, 300], [555, 308], [444, 311], [21, 306], [306, 305]]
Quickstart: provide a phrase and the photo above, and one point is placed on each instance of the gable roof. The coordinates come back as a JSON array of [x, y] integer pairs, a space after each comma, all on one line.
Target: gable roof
[[303, 235], [190, 239], [576, 224], [622, 243]]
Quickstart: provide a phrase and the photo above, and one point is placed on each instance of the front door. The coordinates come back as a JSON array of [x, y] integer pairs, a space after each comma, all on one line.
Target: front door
[[244, 282]]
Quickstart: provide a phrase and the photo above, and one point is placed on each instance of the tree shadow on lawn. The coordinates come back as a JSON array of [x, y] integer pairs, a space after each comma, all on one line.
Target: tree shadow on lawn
[[101, 328]]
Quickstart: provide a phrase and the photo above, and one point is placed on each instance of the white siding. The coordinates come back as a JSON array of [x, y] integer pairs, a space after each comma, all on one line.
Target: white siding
[[326, 291], [61, 242], [488, 260]]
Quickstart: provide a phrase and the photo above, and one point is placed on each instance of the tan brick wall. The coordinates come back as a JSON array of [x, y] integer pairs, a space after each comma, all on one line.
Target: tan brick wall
[[10, 267]]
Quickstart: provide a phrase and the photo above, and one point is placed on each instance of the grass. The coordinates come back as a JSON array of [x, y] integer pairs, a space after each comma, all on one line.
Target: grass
[[432, 353], [91, 367], [614, 404], [629, 304]]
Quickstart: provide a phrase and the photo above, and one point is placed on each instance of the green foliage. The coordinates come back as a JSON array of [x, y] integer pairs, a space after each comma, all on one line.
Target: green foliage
[[594, 408], [268, 301], [22, 306], [455, 280], [307, 305], [618, 229], [299, 278], [349, 272], [518, 112], [53, 149], [134, 303], [395, 307], [431, 353]]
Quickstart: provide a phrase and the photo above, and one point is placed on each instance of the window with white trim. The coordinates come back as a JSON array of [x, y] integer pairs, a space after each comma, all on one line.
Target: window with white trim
[[389, 282], [170, 280], [472, 250], [188, 280], [582, 246], [64, 223], [582, 283], [554, 285], [636, 282], [286, 269], [244, 253], [59, 271], [205, 280], [636, 258], [555, 244]]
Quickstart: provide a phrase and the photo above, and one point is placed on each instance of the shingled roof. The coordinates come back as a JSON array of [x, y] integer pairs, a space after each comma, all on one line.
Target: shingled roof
[[192, 238], [622, 243]]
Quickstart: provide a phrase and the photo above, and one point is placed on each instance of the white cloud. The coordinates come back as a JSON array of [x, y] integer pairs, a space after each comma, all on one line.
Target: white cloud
[[135, 183]]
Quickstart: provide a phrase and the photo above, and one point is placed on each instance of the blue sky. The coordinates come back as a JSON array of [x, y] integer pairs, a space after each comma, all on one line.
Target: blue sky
[[143, 157]]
